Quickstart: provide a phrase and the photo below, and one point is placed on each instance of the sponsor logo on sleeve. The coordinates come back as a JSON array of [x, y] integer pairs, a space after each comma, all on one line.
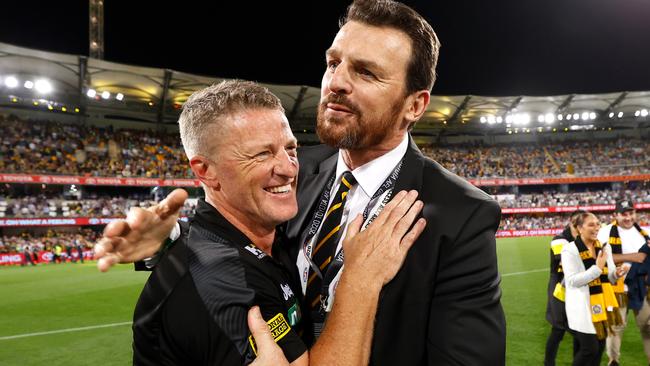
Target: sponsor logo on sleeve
[[279, 328]]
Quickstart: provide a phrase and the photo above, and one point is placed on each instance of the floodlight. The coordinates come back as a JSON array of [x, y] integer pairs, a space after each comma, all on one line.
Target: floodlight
[[119, 96], [550, 117], [43, 86], [91, 93], [11, 82], [28, 84], [106, 95]]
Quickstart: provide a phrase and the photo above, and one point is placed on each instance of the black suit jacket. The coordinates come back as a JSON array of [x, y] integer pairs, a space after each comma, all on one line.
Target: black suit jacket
[[443, 307]]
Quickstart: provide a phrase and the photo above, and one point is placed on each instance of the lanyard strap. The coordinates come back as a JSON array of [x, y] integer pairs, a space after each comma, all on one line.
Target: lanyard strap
[[337, 262]]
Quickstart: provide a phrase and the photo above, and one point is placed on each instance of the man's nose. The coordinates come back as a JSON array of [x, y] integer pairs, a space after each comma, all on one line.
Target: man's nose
[[339, 80], [286, 166]]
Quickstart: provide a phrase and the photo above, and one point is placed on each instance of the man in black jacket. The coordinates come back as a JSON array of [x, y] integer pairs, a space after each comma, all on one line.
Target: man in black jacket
[[193, 307], [443, 307]]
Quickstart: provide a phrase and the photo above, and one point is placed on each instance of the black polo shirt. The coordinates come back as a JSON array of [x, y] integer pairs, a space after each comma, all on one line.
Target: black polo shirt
[[193, 309]]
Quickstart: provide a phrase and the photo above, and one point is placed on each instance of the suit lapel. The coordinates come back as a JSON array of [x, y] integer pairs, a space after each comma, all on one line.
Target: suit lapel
[[310, 187], [410, 177]]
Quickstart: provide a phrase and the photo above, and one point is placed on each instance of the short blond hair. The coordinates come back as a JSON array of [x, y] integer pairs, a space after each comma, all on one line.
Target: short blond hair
[[205, 112]]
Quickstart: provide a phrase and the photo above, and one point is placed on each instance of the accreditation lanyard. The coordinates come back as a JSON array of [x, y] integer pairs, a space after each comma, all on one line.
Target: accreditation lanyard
[[337, 262]]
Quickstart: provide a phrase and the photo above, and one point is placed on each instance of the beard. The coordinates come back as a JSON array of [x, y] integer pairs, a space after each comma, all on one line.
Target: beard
[[360, 130]]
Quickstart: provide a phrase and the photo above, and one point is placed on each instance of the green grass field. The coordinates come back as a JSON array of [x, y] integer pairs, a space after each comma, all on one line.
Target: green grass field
[[62, 297]]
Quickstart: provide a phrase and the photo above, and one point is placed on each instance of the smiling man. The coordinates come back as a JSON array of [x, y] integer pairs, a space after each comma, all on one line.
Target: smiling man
[[626, 238], [193, 309], [443, 307]]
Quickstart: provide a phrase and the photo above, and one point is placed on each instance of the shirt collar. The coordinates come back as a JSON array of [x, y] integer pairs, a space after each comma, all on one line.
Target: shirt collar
[[373, 173], [210, 218]]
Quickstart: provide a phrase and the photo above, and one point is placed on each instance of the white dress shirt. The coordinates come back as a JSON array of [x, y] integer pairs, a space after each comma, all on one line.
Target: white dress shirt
[[370, 177]]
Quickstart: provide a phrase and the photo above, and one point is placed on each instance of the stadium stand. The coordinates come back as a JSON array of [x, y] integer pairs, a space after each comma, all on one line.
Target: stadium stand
[[82, 154]]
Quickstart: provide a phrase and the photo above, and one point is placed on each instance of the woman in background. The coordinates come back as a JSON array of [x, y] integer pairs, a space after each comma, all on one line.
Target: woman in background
[[591, 306]]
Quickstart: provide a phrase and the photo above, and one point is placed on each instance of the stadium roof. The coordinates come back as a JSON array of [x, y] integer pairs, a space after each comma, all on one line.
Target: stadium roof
[[156, 95]]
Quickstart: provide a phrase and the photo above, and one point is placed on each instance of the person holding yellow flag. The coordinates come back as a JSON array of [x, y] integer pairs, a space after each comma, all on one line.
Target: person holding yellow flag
[[591, 305]]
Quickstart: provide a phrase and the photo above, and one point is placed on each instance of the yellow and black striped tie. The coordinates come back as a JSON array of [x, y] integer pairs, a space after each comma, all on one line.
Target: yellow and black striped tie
[[324, 247]]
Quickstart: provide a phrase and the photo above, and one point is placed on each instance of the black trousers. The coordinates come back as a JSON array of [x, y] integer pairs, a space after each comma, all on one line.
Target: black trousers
[[553, 344], [589, 349]]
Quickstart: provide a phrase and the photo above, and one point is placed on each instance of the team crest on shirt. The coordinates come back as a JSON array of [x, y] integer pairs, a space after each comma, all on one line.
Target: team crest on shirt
[[255, 251], [596, 309], [286, 291]]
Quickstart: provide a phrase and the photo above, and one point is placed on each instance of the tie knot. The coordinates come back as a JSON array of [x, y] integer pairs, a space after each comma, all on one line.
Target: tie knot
[[348, 179]]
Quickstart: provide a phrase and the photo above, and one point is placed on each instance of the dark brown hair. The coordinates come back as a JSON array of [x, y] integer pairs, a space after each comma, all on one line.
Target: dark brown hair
[[580, 218], [421, 71]]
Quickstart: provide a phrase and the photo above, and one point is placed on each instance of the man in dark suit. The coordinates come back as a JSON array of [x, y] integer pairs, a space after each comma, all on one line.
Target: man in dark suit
[[443, 307]]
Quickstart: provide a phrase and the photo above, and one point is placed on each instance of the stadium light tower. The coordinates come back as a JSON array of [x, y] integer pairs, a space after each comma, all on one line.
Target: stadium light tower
[[96, 28]]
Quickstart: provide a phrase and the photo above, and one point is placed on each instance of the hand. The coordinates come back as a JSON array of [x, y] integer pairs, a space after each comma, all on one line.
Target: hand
[[601, 259], [140, 235], [622, 270], [268, 352], [377, 253]]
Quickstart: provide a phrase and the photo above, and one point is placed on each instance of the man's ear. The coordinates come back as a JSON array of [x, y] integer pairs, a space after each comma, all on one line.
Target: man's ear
[[417, 104], [204, 169]]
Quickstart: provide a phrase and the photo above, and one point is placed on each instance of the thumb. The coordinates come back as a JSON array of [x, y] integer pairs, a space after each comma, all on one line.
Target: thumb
[[260, 330], [172, 203], [354, 227]]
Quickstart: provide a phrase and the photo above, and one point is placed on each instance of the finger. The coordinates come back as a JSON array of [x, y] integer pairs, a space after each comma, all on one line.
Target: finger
[[400, 210], [260, 330], [396, 200], [116, 228], [137, 218], [354, 227], [106, 262], [103, 247], [172, 204], [402, 226], [412, 235]]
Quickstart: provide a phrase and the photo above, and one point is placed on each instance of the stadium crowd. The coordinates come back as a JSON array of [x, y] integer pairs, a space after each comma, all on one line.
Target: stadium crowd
[[28, 146], [554, 198], [35, 206], [555, 221], [581, 158], [66, 149], [47, 242]]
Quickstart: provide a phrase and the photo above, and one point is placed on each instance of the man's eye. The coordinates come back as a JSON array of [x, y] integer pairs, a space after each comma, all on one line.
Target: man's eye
[[365, 72], [292, 151], [332, 65], [263, 155]]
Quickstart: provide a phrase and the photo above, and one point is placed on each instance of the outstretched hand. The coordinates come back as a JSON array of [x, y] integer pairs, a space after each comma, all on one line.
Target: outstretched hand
[[141, 234]]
